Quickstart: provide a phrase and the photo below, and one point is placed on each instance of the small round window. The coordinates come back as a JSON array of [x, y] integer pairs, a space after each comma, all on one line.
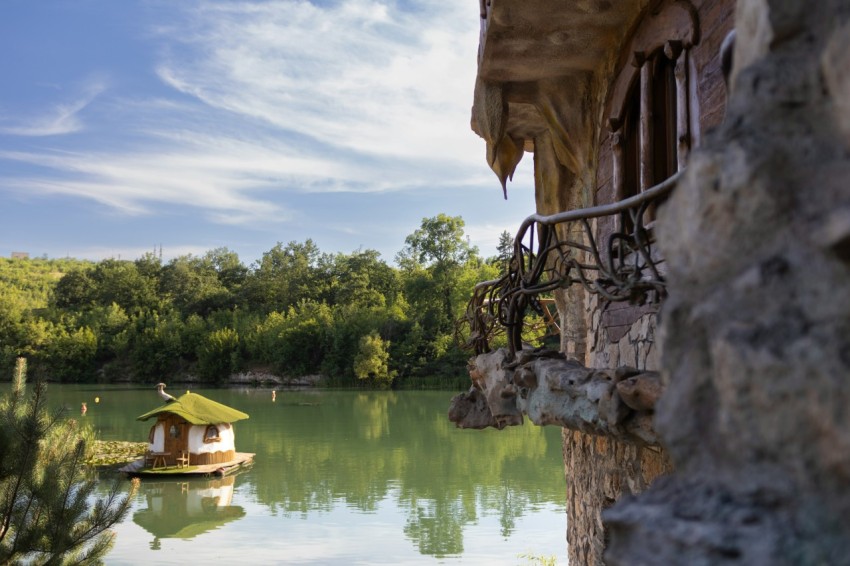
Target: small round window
[[174, 431]]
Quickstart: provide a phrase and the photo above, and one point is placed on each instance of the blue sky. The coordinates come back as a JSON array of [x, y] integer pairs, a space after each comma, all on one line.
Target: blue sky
[[126, 125]]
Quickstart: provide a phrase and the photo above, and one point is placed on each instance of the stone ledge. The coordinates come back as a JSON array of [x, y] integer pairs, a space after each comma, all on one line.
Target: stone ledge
[[552, 390]]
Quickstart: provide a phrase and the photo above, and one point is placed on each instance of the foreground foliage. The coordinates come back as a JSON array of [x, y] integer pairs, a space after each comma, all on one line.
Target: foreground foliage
[[46, 490]]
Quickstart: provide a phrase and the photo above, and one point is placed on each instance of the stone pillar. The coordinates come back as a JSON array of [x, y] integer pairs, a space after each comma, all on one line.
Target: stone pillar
[[600, 470], [558, 189]]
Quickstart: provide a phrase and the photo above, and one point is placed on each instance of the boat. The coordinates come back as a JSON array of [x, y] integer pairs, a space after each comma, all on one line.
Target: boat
[[192, 436]]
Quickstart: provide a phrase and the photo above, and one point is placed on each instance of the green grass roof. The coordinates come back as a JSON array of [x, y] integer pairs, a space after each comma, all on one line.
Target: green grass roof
[[197, 410]]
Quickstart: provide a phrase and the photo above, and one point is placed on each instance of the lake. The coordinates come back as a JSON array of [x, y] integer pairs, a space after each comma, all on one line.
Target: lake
[[343, 477]]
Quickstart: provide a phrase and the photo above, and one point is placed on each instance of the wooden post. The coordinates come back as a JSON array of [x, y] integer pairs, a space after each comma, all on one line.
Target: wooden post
[[646, 120], [683, 123], [618, 159]]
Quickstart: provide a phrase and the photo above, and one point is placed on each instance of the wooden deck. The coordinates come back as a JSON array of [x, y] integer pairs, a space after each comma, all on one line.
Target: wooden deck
[[137, 468]]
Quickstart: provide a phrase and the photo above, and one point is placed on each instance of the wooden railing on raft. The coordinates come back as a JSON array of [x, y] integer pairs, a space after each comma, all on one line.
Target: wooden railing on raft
[[627, 268]]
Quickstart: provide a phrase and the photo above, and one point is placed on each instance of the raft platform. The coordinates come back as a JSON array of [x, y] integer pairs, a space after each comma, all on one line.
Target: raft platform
[[137, 468]]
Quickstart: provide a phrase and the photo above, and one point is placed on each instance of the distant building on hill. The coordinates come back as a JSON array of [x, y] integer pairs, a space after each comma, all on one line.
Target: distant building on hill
[[20, 255]]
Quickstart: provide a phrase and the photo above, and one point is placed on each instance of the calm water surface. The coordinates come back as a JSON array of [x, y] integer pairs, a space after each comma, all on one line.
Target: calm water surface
[[343, 477]]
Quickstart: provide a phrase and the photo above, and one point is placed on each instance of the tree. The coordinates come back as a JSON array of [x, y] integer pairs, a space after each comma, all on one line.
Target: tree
[[372, 360], [74, 290], [47, 515], [149, 265], [121, 282], [193, 285], [155, 344], [227, 266], [439, 241], [440, 249], [361, 278], [284, 276], [295, 342], [504, 250], [219, 354], [71, 353]]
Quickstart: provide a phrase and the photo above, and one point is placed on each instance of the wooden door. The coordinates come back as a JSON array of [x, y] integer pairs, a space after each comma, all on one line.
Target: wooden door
[[176, 436]]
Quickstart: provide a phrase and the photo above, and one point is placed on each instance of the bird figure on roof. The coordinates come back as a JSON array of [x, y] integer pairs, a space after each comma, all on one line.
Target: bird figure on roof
[[160, 388]]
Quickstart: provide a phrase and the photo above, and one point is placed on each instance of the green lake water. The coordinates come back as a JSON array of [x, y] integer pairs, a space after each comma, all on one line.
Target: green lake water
[[343, 477]]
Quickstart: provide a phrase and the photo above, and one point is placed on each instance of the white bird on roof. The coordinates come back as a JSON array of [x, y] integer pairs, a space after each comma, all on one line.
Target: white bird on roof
[[160, 388]]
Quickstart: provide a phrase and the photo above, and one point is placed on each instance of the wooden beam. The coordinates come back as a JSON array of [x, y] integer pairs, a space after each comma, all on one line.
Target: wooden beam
[[646, 120]]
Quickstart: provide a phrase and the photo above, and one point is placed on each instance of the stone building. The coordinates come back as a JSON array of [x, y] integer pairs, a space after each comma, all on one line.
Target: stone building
[[693, 227]]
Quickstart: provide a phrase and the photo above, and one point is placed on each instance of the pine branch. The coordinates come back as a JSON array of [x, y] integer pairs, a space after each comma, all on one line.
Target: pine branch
[[30, 422], [46, 511]]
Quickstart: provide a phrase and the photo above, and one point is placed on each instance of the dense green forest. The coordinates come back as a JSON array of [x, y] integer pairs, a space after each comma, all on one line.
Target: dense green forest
[[353, 317]]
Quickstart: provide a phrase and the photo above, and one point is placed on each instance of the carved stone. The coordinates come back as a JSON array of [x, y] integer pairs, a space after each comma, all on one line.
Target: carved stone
[[552, 390], [641, 392]]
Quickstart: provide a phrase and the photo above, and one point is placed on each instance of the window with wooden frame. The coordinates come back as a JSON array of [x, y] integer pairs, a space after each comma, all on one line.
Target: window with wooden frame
[[649, 109], [212, 434]]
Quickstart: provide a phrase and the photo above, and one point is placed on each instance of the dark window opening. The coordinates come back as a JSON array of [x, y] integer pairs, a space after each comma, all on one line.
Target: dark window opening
[[662, 160], [665, 160], [631, 153]]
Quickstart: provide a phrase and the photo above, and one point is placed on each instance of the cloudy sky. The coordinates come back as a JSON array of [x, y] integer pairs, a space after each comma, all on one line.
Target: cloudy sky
[[126, 125]]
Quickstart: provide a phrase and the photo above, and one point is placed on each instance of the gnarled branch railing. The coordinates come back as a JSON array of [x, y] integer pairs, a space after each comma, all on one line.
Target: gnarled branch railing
[[626, 269]]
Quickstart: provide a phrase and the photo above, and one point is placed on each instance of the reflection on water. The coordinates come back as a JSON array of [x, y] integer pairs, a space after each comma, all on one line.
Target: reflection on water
[[342, 477], [186, 509]]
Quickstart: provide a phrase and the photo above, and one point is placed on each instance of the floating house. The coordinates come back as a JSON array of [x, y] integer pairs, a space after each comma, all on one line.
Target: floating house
[[192, 435]]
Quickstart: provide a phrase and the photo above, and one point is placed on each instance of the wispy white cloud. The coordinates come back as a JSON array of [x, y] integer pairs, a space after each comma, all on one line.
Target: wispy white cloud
[[143, 183], [271, 98], [486, 236], [61, 119], [363, 74]]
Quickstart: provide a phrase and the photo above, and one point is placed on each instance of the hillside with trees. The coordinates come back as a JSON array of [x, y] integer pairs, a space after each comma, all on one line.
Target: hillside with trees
[[352, 318]]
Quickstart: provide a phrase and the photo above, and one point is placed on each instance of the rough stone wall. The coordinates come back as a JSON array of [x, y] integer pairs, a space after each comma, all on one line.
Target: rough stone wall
[[598, 472], [636, 348], [756, 331]]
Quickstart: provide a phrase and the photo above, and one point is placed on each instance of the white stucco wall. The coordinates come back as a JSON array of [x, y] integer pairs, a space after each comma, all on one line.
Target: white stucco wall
[[158, 444], [198, 446]]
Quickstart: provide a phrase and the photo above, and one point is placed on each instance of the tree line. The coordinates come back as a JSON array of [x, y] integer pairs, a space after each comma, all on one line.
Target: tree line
[[351, 317]]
